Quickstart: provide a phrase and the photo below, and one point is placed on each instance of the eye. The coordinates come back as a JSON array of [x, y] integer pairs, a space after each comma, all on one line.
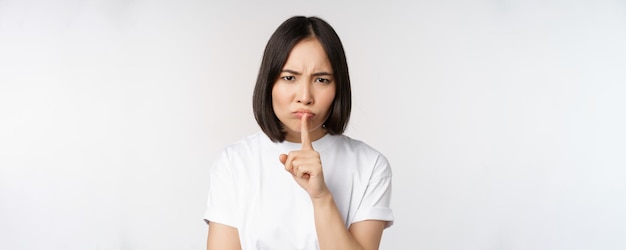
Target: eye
[[288, 78], [322, 80]]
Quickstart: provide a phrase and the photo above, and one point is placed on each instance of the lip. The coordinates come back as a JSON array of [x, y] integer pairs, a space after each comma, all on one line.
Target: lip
[[299, 113]]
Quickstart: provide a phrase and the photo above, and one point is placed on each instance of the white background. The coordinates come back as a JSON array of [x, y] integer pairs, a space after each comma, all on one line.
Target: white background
[[504, 121]]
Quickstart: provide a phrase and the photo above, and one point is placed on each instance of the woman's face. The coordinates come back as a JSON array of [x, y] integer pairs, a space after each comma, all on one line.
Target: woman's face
[[305, 86]]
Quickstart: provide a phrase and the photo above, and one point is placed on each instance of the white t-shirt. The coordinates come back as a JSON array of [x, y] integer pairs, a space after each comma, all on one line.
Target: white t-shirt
[[250, 190]]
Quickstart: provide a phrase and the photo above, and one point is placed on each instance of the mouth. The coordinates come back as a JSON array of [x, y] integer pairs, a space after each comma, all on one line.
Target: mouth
[[303, 112]]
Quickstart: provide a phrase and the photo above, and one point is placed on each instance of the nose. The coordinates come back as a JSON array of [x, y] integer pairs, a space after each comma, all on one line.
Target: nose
[[305, 97]]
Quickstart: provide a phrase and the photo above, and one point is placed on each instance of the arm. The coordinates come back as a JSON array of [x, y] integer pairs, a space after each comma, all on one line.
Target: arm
[[331, 231], [222, 237], [306, 167], [368, 233]]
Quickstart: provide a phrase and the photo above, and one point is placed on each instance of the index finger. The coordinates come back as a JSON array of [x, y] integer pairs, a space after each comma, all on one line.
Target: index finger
[[304, 133]]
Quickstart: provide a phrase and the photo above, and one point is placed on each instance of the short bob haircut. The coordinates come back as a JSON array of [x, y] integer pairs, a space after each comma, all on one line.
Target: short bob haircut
[[286, 36]]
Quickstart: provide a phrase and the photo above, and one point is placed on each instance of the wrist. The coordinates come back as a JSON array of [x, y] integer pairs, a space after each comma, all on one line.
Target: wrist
[[322, 199]]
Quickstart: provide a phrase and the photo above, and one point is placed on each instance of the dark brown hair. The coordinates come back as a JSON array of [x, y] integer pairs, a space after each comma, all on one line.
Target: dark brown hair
[[286, 36]]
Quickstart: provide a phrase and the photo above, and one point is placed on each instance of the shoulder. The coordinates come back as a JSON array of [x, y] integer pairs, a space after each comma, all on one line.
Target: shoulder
[[363, 153], [242, 148], [249, 143], [356, 146]]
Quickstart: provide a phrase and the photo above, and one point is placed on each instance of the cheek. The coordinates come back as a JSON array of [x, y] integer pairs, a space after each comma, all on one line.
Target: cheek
[[278, 98], [329, 98]]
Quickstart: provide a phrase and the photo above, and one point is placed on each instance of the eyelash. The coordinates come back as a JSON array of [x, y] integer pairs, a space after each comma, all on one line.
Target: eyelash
[[291, 78], [323, 80]]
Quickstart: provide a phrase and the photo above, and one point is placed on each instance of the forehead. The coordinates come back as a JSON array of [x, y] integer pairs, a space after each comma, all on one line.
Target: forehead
[[308, 54]]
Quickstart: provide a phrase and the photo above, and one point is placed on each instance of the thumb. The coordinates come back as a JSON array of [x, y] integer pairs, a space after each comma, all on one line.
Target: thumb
[[282, 158]]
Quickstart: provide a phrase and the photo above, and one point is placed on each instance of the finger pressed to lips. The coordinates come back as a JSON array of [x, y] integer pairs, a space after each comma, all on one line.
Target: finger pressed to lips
[[304, 132], [300, 114]]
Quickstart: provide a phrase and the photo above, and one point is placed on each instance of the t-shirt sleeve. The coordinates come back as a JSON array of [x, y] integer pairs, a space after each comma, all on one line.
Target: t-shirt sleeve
[[221, 202], [375, 202]]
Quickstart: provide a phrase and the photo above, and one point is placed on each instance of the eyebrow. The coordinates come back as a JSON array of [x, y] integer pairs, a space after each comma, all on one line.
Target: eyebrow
[[314, 74]]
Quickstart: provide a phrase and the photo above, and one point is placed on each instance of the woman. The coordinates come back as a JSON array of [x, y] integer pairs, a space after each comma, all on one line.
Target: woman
[[300, 183]]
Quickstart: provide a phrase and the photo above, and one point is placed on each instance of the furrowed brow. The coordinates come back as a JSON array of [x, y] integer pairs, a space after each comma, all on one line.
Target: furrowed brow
[[291, 72], [322, 74]]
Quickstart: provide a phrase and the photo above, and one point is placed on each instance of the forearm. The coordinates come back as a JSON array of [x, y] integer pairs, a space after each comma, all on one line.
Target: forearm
[[330, 227]]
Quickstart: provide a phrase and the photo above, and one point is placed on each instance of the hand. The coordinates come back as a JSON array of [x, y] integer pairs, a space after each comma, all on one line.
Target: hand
[[305, 164]]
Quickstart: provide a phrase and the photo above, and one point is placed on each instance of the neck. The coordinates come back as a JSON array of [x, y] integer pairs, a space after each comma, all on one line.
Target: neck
[[315, 135]]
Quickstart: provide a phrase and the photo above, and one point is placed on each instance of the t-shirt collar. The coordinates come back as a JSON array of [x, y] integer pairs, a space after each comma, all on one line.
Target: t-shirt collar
[[318, 144]]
